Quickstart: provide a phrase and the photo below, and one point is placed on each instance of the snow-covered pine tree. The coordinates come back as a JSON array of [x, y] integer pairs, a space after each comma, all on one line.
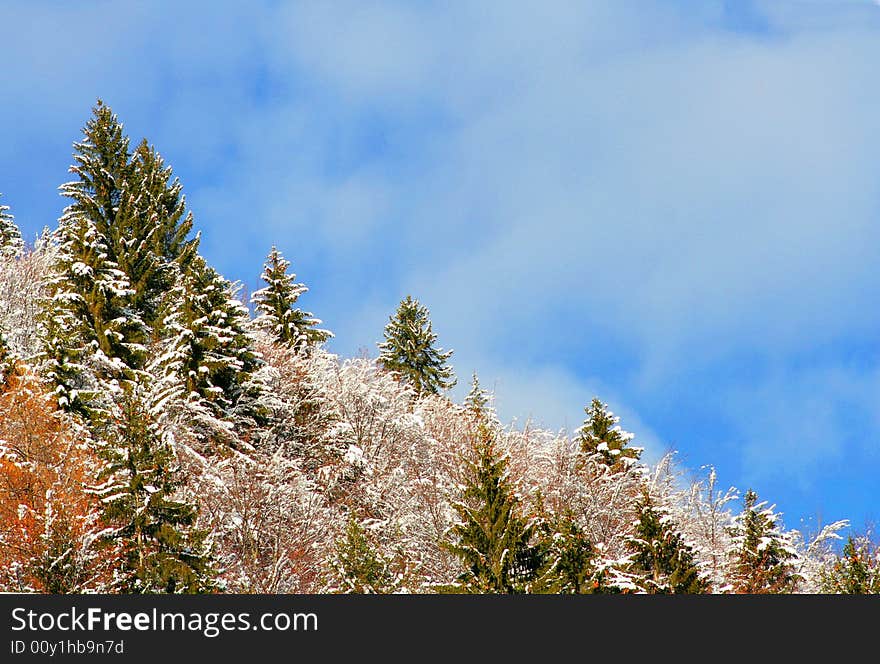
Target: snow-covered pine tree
[[95, 326], [151, 235], [856, 571], [11, 244], [567, 555], [208, 358], [763, 559], [662, 559], [162, 551], [91, 338], [492, 538], [276, 310], [601, 434], [409, 350]]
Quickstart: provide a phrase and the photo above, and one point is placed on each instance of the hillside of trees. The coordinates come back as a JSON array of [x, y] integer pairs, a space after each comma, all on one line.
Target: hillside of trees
[[159, 435]]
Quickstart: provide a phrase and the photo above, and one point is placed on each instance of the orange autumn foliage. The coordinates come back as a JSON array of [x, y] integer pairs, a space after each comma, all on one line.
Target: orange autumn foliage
[[49, 522]]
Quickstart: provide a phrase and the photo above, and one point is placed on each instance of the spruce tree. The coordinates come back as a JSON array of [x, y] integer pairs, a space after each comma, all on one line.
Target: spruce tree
[[476, 400], [492, 539], [856, 571], [409, 350], [568, 558], [762, 556], [276, 310], [208, 357], [358, 566], [601, 434], [11, 244], [95, 329], [163, 552], [151, 236], [661, 558]]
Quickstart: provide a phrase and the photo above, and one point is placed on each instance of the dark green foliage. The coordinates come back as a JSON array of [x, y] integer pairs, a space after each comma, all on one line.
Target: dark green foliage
[[492, 539], [162, 550], [857, 571], [409, 350], [600, 434], [661, 558], [152, 241], [762, 558], [568, 558], [359, 567], [276, 310], [208, 359]]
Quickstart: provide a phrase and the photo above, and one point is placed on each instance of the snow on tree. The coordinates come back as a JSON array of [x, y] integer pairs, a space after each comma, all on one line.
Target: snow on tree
[[162, 550], [276, 310], [493, 539], [205, 365], [271, 526], [22, 295], [708, 521], [11, 243], [50, 527], [358, 566], [601, 434], [662, 558], [764, 559], [856, 571], [409, 350], [151, 235]]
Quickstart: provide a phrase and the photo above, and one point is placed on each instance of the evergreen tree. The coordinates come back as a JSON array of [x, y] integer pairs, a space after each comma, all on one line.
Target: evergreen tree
[[476, 400], [409, 351], [358, 566], [762, 556], [276, 313], [660, 555], [151, 236], [856, 572], [208, 358], [601, 434], [568, 558], [11, 244], [162, 550], [492, 538], [95, 326], [90, 336]]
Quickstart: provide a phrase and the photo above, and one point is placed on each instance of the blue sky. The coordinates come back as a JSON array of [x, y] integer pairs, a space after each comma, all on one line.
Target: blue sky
[[673, 205]]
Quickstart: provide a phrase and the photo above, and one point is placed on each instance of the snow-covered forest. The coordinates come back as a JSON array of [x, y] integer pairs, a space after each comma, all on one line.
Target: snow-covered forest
[[160, 435]]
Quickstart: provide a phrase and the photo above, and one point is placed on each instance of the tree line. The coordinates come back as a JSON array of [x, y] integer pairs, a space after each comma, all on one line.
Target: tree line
[[158, 437]]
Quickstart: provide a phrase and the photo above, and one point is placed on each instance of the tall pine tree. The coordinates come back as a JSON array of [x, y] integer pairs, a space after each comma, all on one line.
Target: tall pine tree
[[163, 552], [409, 350], [276, 310], [94, 327]]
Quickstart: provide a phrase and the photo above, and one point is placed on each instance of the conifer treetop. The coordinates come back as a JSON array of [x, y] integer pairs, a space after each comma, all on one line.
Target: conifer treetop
[[409, 350], [276, 310]]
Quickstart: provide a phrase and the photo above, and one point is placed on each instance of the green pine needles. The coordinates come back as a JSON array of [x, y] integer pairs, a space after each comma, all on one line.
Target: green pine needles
[[409, 350], [276, 310]]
